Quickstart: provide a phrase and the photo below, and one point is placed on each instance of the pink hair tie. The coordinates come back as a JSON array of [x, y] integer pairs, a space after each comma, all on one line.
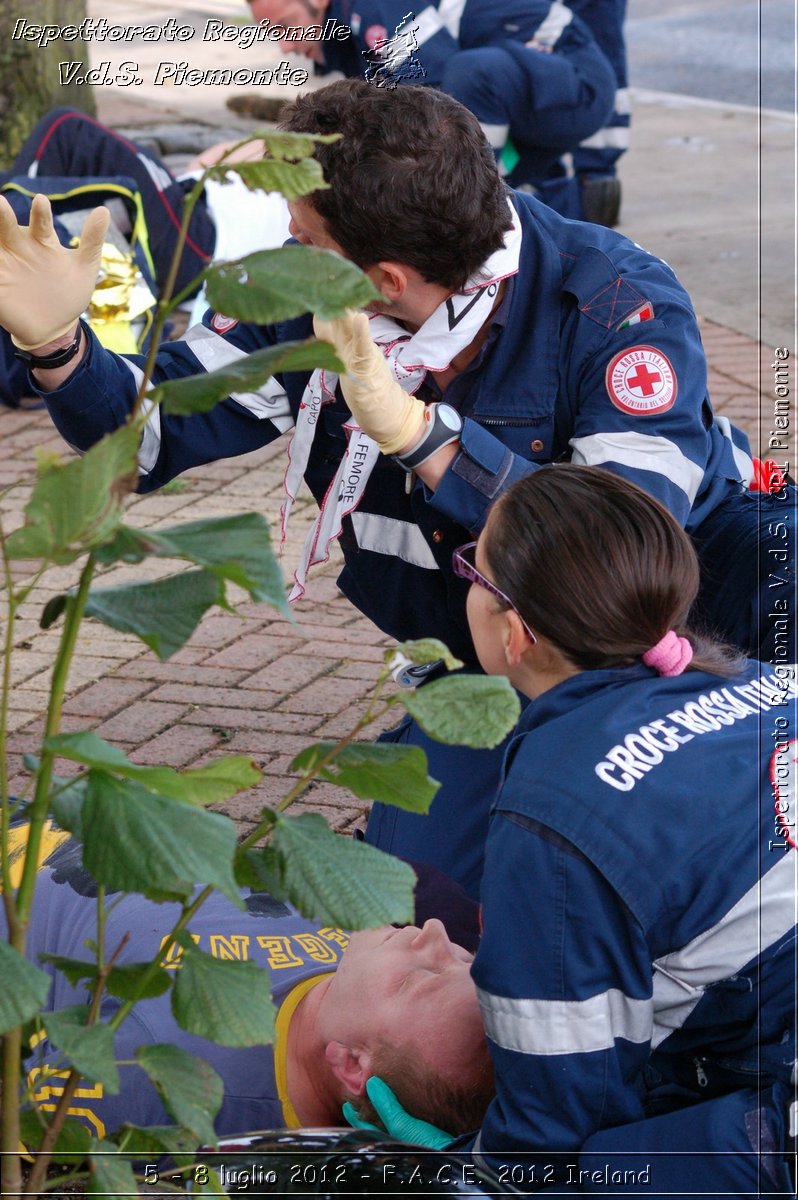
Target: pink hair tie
[[671, 654]]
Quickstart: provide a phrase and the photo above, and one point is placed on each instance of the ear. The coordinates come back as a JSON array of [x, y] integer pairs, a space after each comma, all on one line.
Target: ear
[[351, 1067], [516, 642], [390, 279]]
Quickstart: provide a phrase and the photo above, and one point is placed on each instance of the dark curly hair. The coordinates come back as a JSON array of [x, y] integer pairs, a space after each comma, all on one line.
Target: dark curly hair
[[412, 179]]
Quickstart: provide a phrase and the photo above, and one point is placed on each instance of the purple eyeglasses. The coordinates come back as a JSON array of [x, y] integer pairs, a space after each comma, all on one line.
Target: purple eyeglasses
[[463, 566]]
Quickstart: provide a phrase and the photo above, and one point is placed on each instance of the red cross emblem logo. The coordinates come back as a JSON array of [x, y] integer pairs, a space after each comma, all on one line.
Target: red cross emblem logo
[[641, 381]]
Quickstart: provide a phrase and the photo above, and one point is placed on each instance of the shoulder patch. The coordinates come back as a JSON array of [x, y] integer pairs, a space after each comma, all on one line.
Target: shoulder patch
[[641, 381], [223, 324], [603, 295], [644, 313]]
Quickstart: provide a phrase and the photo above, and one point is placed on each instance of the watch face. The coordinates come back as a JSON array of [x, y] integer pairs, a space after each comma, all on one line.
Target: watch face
[[450, 416]]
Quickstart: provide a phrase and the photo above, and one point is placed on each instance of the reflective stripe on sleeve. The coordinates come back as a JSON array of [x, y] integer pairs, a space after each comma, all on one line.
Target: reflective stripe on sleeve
[[269, 402], [150, 444], [743, 461], [426, 25], [548, 1027], [623, 102], [642, 452], [611, 137], [757, 921], [400, 539], [496, 134], [549, 30], [450, 12]]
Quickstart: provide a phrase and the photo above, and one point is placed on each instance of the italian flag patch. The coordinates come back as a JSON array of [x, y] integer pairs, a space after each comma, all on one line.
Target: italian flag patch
[[644, 313]]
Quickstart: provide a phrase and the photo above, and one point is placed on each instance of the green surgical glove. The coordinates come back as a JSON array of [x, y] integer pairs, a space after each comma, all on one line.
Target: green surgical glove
[[399, 1124]]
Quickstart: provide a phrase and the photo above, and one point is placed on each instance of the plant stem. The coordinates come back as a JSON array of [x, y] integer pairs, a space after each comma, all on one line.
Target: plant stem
[[41, 800], [5, 869], [155, 966], [54, 1127], [302, 784], [166, 304]]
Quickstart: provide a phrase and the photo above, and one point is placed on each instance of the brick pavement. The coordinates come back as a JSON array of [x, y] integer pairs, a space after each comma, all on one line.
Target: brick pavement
[[252, 683]]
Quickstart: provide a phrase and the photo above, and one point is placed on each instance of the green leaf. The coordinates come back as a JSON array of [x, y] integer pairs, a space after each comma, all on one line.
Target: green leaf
[[293, 146], [426, 650], [75, 507], [164, 613], [75, 969], [136, 841], [125, 982], [338, 880], [24, 989], [275, 285], [89, 1048], [236, 548], [260, 870], [392, 774], [110, 1173], [226, 1001], [189, 1087], [73, 1141], [200, 393], [217, 781], [150, 1141], [468, 710], [67, 807], [52, 610], [293, 179]]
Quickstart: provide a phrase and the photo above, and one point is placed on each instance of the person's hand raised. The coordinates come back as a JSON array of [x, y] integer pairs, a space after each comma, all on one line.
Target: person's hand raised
[[44, 286], [380, 406]]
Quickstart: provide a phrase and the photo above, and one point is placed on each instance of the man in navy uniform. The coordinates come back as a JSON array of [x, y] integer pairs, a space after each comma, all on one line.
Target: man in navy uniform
[[519, 339]]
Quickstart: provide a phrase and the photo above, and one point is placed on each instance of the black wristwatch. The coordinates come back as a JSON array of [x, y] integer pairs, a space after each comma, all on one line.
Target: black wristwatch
[[444, 426], [49, 362]]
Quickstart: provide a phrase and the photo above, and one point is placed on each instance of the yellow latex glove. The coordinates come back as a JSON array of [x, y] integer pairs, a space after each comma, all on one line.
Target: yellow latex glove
[[380, 406], [44, 286]]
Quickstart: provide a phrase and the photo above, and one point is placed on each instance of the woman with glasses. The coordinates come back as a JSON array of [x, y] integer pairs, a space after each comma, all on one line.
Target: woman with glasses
[[637, 966]]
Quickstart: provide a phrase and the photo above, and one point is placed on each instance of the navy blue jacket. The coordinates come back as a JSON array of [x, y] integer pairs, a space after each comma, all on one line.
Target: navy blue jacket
[[639, 902]]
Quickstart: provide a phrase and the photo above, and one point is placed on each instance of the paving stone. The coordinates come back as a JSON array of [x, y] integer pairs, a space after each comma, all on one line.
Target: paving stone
[[106, 697], [178, 746], [140, 721]]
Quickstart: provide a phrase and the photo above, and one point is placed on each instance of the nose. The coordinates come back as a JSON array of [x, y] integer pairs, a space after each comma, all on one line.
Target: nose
[[432, 937]]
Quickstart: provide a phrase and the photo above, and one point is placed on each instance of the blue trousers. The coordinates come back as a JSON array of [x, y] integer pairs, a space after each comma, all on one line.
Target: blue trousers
[[605, 19], [733, 1145], [550, 102], [67, 142]]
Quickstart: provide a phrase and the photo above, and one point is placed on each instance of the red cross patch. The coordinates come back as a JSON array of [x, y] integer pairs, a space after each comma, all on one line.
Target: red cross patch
[[641, 381], [223, 324]]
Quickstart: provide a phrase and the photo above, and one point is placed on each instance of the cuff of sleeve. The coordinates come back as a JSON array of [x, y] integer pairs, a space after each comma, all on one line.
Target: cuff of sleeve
[[478, 473], [82, 398]]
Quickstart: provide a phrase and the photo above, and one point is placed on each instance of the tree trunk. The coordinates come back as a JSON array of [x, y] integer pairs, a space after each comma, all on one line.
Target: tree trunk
[[29, 76]]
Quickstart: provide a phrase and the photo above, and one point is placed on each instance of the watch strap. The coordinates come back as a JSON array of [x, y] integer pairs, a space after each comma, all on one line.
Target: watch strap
[[442, 428], [49, 362]]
